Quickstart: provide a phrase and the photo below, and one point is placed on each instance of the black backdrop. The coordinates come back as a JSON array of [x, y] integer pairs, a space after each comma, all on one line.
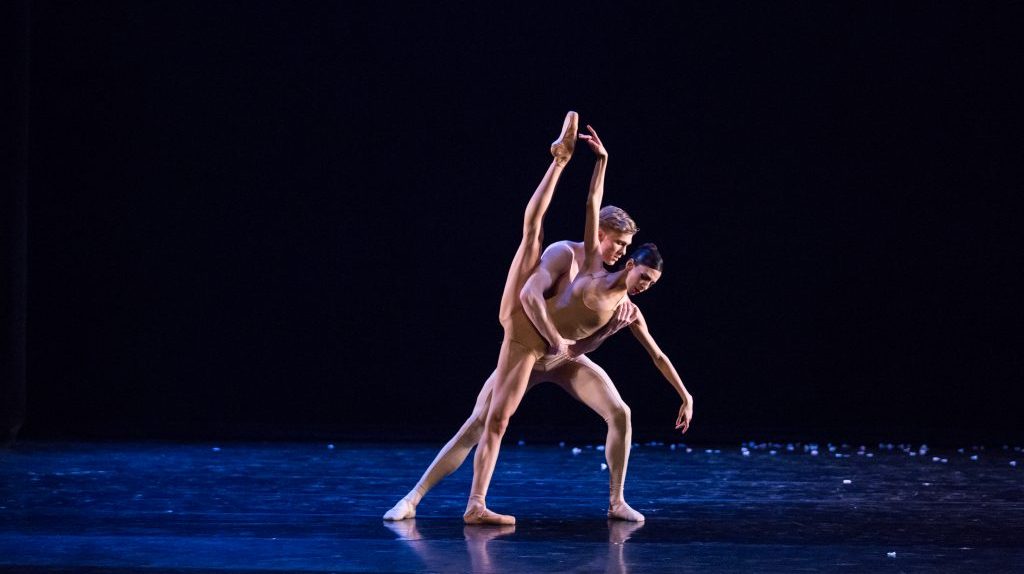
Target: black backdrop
[[260, 218]]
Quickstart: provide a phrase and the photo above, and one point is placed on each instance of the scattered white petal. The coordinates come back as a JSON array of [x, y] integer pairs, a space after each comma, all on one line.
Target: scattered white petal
[[215, 449], [576, 450], [891, 554], [521, 442], [330, 447], [561, 444], [847, 481], [604, 466], [600, 447]]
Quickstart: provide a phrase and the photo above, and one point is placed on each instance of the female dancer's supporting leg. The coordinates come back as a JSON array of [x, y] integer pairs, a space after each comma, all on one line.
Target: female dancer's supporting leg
[[449, 458], [515, 361]]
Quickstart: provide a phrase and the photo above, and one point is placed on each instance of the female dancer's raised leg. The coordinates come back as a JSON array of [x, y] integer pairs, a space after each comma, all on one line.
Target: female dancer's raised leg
[[515, 361]]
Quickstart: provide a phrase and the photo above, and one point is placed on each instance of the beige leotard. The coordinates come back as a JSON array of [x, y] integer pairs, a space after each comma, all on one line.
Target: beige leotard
[[574, 321]]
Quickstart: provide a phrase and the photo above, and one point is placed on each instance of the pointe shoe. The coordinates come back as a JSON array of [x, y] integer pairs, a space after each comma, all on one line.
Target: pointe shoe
[[479, 514], [562, 148]]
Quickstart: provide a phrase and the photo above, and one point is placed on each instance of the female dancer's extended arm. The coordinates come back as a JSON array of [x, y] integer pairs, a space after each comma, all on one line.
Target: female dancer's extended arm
[[639, 328], [592, 256]]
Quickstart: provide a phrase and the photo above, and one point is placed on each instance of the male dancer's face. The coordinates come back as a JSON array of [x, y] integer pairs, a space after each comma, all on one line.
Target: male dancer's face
[[613, 244]]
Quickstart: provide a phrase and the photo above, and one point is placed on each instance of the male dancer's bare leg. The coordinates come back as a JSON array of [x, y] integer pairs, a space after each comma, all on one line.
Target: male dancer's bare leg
[[454, 453], [586, 381], [449, 458], [515, 361]]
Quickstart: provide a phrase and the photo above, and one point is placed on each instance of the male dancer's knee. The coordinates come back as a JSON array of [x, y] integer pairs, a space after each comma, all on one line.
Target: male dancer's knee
[[474, 430], [620, 417]]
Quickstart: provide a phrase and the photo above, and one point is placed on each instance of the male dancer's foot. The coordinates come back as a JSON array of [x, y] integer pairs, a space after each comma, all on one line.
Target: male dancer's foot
[[619, 510], [402, 509], [477, 513], [562, 148]]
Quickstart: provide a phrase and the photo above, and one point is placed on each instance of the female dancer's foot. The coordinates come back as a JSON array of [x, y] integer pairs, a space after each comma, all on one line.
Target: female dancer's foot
[[562, 148], [477, 513], [401, 510], [619, 510]]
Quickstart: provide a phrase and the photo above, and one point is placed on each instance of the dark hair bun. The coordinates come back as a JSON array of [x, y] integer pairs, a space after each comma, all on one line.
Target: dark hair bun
[[647, 254]]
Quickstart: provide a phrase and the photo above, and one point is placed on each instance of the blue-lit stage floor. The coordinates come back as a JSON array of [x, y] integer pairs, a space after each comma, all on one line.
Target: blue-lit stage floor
[[315, 507]]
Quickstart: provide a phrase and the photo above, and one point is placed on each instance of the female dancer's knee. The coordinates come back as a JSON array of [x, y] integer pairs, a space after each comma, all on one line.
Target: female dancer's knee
[[496, 424]]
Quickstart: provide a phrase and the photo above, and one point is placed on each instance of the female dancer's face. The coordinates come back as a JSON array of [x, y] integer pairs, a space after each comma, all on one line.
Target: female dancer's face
[[613, 245], [640, 278]]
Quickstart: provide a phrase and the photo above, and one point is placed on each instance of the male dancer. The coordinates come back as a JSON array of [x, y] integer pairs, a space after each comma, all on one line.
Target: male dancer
[[579, 376]]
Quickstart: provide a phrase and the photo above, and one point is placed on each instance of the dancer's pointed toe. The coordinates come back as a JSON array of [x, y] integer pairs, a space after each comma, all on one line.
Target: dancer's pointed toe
[[562, 148]]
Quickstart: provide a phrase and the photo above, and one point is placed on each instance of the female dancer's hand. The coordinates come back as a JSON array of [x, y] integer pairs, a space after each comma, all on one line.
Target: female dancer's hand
[[594, 142], [685, 415], [625, 314]]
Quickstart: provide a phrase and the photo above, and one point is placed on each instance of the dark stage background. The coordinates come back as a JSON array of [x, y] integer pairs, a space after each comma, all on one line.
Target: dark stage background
[[266, 219]]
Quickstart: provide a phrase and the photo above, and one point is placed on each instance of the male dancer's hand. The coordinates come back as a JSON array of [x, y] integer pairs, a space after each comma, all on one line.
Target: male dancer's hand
[[685, 415]]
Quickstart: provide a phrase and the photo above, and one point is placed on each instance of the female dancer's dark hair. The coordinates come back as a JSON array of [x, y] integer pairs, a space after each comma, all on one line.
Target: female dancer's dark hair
[[647, 254]]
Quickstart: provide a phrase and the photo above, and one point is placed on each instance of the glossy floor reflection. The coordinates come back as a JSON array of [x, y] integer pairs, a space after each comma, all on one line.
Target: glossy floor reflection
[[314, 507]]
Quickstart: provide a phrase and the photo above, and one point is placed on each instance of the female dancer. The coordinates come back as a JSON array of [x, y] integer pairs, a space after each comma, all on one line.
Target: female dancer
[[545, 335], [579, 376]]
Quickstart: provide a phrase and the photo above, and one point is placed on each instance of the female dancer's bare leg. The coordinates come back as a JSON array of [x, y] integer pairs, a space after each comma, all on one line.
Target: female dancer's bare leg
[[515, 361]]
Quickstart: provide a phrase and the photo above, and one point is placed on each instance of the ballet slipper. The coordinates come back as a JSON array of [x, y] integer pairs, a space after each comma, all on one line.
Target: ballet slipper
[[562, 148], [402, 510], [622, 511]]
